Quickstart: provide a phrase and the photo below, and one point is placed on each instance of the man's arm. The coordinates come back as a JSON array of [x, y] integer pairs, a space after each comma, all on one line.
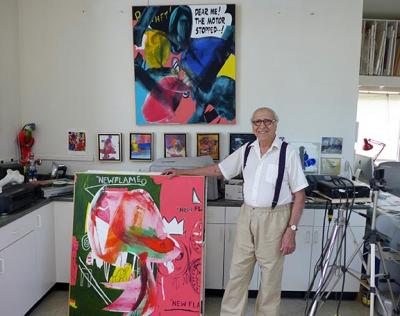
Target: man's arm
[[211, 170], [289, 237], [297, 208]]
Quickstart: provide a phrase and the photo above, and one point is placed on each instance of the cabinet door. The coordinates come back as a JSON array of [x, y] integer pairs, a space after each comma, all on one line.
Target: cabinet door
[[232, 215], [18, 277], [45, 252], [296, 268], [214, 259], [63, 220], [215, 214], [230, 232]]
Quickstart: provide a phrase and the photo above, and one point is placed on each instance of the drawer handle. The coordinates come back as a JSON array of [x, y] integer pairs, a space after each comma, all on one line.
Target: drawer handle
[[15, 231], [308, 237], [38, 221], [2, 266], [221, 234], [316, 237]]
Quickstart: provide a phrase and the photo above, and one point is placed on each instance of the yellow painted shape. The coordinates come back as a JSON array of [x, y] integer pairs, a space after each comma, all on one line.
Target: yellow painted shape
[[156, 49], [121, 274], [86, 215], [72, 303], [229, 68]]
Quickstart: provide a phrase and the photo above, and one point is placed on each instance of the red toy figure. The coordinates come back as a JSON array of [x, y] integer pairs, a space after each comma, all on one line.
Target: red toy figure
[[26, 141]]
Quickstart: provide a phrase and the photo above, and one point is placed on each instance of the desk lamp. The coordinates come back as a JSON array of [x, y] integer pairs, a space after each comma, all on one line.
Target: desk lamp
[[368, 146]]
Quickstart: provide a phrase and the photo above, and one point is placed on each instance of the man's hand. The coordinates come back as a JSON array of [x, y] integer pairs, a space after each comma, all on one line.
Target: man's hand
[[172, 172], [288, 244]]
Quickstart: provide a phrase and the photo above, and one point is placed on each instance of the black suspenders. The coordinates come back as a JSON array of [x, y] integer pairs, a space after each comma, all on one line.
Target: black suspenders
[[281, 169]]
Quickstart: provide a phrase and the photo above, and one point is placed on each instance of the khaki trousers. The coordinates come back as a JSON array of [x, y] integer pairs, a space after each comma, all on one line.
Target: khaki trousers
[[258, 237]]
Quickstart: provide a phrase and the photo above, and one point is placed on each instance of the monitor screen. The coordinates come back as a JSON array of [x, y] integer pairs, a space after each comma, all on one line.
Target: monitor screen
[[364, 168]]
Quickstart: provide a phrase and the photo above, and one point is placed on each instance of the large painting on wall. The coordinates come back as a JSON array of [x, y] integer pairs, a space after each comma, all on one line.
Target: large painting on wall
[[137, 247], [184, 59]]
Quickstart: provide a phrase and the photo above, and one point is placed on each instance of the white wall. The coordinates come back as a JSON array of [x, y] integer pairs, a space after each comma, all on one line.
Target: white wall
[[9, 95], [299, 57]]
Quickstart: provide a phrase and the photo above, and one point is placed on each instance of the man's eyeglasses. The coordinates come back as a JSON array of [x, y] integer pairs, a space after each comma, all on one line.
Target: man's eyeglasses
[[267, 122]]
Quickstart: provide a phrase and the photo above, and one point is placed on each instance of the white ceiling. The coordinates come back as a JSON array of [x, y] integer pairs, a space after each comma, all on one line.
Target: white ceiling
[[382, 9]]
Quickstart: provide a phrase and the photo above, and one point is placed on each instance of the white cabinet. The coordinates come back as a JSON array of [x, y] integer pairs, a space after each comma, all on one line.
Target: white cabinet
[[63, 221], [296, 269], [354, 236], [214, 247], [231, 217], [220, 237], [26, 261], [45, 257], [17, 276]]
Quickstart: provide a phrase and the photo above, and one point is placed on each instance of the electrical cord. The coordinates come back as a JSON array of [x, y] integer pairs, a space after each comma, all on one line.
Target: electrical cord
[[349, 207], [348, 214], [328, 205]]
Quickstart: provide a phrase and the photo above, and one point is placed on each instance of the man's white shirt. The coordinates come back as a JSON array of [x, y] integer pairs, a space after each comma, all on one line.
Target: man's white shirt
[[261, 173]]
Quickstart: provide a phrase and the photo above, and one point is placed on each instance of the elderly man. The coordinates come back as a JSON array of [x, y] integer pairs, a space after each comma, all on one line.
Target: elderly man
[[274, 196]]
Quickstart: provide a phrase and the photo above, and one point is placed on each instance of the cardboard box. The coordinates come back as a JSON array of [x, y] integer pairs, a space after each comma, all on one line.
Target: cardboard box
[[234, 191]]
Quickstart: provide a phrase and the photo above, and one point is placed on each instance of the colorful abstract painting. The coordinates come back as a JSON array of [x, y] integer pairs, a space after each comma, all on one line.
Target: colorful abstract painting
[[184, 59], [137, 246], [141, 146], [76, 141], [208, 145], [175, 145], [109, 147]]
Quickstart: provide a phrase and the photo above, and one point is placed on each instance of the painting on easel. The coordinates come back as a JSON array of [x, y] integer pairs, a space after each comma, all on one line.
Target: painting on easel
[[137, 248]]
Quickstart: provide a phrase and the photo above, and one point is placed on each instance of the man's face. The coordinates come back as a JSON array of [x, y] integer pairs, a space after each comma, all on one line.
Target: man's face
[[264, 125]]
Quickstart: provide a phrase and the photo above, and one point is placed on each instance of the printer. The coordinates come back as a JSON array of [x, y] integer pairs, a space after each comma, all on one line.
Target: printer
[[189, 163], [10, 165], [15, 197]]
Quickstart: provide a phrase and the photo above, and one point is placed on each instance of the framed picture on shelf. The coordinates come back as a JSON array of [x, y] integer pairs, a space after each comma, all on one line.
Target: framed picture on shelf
[[141, 146], [237, 140], [309, 155], [330, 166], [175, 145], [109, 147], [208, 145], [331, 145]]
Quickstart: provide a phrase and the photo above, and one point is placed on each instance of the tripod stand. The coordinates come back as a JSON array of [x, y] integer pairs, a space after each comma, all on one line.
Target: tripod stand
[[377, 183], [330, 267]]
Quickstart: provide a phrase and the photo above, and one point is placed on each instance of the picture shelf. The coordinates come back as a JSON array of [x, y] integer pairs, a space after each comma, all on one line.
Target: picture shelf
[[380, 48]]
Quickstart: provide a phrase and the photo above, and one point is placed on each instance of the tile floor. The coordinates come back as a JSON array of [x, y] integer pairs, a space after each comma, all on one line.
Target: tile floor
[[55, 304]]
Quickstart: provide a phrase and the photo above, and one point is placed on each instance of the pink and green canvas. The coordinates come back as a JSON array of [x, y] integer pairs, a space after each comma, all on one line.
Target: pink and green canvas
[[137, 247]]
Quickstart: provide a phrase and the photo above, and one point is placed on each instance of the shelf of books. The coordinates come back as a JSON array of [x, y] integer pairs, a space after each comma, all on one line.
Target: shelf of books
[[380, 48]]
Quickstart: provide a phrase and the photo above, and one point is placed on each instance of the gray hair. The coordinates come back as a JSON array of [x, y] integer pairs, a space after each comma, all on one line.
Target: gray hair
[[268, 109]]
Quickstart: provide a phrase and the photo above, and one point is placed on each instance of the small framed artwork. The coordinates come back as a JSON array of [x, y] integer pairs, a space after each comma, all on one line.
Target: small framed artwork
[[175, 145], [109, 147], [76, 141], [237, 140], [330, 166], [309, 156], [208, 145], [141, 146], [331, 145]]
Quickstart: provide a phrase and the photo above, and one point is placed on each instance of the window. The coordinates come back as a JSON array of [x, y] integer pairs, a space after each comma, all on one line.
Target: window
[[378, 117]]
